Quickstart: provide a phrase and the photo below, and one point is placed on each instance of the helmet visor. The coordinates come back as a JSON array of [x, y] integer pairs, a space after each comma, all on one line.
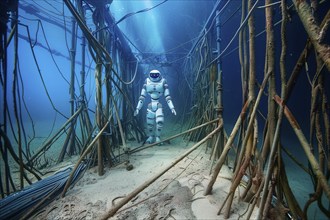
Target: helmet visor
[[154, 75]]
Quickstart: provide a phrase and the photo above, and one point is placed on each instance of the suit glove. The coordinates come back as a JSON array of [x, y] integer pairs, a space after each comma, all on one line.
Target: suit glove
[[173, 111], [136, 112]]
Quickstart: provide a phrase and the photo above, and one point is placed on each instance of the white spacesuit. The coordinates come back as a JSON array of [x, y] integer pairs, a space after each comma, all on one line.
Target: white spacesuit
[[155, 86]]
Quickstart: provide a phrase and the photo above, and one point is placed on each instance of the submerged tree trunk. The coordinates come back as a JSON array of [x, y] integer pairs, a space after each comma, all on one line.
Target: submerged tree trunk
[[313, 30], [271, 118]]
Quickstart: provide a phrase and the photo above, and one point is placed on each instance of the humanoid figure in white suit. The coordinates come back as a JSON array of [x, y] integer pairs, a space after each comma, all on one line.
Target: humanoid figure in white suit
[[155, 86]]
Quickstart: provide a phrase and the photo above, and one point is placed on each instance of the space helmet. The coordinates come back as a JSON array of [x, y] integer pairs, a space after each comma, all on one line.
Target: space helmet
[[155, 75]]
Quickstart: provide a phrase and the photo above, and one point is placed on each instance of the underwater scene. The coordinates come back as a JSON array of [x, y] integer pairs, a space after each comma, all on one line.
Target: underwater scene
[[164, 109]]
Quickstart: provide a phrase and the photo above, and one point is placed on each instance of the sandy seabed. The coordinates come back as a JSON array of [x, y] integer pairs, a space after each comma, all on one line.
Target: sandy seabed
[[178, 194]]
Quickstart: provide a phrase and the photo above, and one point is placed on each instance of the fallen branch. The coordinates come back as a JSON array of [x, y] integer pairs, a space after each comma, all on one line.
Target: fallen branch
[[130, 196], [88, 149], [233, 134], [174, 136], [226, 149], [46, 146]]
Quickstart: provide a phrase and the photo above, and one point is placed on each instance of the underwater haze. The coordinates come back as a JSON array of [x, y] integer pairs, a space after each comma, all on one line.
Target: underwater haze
[[177, 37]]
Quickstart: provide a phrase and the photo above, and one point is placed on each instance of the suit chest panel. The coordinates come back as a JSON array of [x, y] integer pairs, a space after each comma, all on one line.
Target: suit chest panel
[[155, 89]]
